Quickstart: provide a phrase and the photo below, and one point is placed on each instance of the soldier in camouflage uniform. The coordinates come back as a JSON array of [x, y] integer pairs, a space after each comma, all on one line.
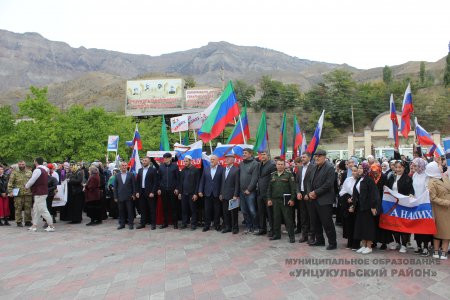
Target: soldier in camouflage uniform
[[23, 201], [282, 182]]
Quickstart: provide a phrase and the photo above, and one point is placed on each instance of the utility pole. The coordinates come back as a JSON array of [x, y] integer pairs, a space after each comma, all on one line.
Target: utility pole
[[353, 121], [222, 76]]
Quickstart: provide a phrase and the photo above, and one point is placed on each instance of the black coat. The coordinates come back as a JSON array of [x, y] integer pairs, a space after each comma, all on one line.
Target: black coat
[[322, 183], [169, 176], [368, 196], [189, 181], [230, 185], [211, 186], [306, 180], [151, 181], [123, 191], [404, 184]]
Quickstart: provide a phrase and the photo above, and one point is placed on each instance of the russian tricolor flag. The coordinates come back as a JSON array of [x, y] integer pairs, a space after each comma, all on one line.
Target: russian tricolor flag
[[407, 110], [298, 139], [135, 163], [393, 131], [240, 130], [312, 146], [435, 150], [136, 139], [423, 137], [223, 113], [224, 149], [407, 214], [194, 150]]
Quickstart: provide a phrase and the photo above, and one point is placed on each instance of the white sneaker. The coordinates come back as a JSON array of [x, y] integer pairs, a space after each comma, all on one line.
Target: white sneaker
[[361, 250], [402, 249], [32, 228], [443, 256], [367, 251], [436, 255], [50, 229], [393, 246]]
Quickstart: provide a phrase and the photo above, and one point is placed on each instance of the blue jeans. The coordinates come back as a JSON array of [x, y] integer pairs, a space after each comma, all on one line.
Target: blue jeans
[[248, 207]]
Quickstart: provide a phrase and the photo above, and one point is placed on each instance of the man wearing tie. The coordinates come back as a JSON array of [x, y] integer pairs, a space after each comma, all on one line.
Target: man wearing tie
[[189, 180], [146, 188], [124, 190], [230, 190], [210, 185]]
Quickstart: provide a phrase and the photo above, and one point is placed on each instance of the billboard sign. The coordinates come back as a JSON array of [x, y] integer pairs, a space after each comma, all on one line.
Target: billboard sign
[[199, 98]]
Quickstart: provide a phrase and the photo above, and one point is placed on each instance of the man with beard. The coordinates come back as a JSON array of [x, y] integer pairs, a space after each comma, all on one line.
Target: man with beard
[[189, 180], [168, 189], [146, 188], [23, 200]]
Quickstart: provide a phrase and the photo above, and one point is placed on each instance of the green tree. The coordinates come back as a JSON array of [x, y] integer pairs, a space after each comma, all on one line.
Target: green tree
[[422, 73], [387, 75], [244, 92], [277, 96], [447, 70], [37, 106], [189, 82]]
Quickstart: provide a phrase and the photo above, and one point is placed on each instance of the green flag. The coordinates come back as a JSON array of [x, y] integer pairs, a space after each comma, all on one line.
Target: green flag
[[186, 138], [164, 139], [262, 136]]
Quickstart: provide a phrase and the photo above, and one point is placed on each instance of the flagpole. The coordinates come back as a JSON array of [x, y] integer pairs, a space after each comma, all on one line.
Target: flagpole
[[210, 147], [179, 133], [242, 129], [195, 135]]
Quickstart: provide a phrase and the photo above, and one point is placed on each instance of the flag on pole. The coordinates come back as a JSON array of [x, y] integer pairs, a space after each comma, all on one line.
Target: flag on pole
[[393, 130], [407, 110], [312, 146], [164, 139], [194, 151], [303, 146], [283, 137], [435, 150], [237, 136], [223, 113], [186, 138], [262, 136], [135, 162], [136, 138], [423, 137], [297, 139]]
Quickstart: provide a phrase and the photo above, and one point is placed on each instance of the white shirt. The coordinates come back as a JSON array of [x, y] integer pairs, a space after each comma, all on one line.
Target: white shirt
[[358, 185], [394, 186], [144, 173], [124, 177], [36, 173], [213, 171], [304, 169], [420, 183], [227, 171], [347, 186], [56, 175]]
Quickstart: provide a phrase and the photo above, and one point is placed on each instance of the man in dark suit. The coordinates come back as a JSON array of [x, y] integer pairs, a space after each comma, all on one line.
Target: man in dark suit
[[230, 190], [189, 181], [266, 168], [304, 206], [210, 185], [322, 197], [124, 191], [146, 189], [168, 189]]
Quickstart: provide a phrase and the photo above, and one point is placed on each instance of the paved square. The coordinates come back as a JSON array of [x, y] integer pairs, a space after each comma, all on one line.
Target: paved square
[[100, 262]]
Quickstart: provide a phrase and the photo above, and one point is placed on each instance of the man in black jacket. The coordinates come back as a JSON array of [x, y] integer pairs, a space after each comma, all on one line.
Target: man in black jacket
[[146, 187], [322, 197], [229, 191], [168, 189], [189, 181]]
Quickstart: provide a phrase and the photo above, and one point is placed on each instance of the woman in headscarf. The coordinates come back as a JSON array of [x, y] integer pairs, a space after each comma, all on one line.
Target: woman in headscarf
[[75, 199], [93, 197], [366, 198], [341, 175], [439, 187], [383, 236], [420, 183], [385, 168], [400, 182], [348, 213]]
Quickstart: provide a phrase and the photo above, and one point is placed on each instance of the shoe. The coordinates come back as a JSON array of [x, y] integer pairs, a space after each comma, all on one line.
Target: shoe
[[334, 246], [443, 256], [50, 229], [98, 222], [303, 239], [383, 247], [153, 227], [316, 243], [361, 250], [90, 223], [274, 238], [425, 252], [131, 227], [418, 251], [121, 227], [217, 228], [436, 254], [1, 223], [32, 228], [310, 241], [367, 251], [247, 231], [75, 222], [409, 245], [184, 226], [54, 219], [270, 234], [393, 246], [205, 229], [235, 231], [163, 226], [291, 240], [226, 230], [402, 249], [28, 223], [175, 226], [260, 232], [140, 226], [297, 231], [19, 225], [6, 223], [193, 227]]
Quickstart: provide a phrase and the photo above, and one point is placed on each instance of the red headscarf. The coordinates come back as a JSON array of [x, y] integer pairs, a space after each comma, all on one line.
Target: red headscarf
[[375, 168]]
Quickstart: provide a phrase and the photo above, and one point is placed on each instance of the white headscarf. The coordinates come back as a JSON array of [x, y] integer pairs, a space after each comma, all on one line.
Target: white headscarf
[[432, 170]]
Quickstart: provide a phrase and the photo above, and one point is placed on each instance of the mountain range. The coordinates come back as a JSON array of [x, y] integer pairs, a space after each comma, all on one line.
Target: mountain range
[[97, 77]]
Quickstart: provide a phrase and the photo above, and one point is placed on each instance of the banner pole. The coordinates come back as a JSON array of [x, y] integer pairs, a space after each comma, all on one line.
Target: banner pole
[[195, 135], [242, 129], [179, 133], [210, 147]]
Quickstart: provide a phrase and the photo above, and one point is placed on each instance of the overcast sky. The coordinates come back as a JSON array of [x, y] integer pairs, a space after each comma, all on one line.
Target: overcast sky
[[363, 33]]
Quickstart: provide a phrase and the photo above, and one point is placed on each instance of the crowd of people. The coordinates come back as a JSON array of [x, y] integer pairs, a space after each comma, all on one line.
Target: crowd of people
[[303, 194]]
